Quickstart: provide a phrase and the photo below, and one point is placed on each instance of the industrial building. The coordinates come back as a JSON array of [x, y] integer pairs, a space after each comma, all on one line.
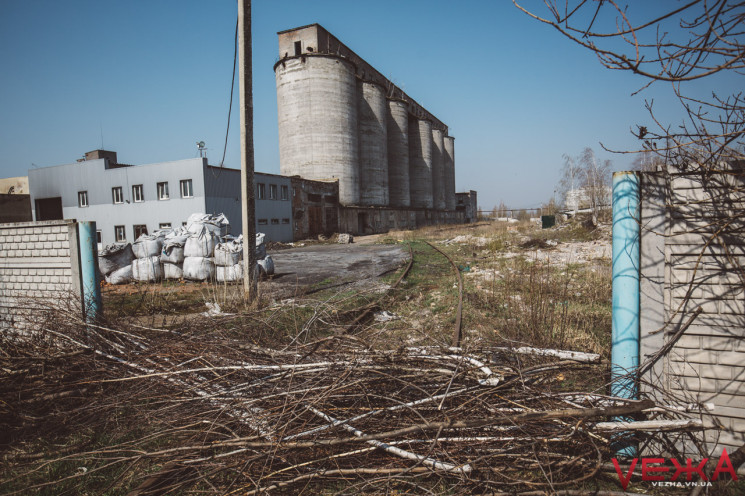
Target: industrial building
[[126, 201], [342, 120]]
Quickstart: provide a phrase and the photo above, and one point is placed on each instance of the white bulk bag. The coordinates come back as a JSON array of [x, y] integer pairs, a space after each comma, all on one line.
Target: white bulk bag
[[147, 269], [172, 271], [200, 245], [120, 276], [260, 246], [114, 257], [147, 245], [231, 273], [266, 266], [216, 224], [199, 268], [172, 254], [229, 253]]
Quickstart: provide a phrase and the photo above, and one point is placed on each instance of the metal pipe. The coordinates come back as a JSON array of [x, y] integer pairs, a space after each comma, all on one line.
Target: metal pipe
[[89, 275], [625, 286]]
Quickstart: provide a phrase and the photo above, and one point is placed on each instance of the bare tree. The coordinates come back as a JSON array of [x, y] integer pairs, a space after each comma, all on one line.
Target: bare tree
[[695, 40], [647, 161], [585, 182], [569, 184], [597, 180]]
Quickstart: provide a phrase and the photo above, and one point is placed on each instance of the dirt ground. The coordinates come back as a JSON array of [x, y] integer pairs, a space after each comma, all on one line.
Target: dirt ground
[[298, 270], [328, 265]]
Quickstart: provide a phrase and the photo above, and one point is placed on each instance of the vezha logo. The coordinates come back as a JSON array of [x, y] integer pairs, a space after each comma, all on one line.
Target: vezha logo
[[654, 468]]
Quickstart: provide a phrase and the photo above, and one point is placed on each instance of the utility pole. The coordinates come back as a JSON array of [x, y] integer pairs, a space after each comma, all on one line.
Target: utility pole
[[250, 274]]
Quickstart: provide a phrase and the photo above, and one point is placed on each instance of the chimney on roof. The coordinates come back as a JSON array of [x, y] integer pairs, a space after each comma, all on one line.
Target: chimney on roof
[[98, 154]]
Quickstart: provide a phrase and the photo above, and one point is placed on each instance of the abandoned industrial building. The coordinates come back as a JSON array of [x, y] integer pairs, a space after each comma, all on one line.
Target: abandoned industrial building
[[342, 120]]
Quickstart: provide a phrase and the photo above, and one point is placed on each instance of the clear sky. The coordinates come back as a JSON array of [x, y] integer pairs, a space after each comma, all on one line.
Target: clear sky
[[148, 79]]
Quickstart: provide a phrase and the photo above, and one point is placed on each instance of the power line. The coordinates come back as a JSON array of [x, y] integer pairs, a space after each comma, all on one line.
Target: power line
[[232, 86]]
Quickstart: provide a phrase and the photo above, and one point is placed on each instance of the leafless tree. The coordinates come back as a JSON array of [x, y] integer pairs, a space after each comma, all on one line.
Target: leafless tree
[[585, 181], [675, 44], [647, 161]]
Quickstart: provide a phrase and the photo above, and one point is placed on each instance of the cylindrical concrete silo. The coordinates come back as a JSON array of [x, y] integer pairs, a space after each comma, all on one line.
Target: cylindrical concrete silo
[[317, 113], [420, 163], [373, 144], [398, 153], [449, 172], [438, 176]]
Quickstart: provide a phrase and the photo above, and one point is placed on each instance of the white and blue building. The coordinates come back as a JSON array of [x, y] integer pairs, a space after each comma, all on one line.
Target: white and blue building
[[128, 200]]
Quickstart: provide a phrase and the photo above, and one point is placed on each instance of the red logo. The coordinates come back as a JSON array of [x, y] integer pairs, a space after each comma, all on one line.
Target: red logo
[[654, 468]]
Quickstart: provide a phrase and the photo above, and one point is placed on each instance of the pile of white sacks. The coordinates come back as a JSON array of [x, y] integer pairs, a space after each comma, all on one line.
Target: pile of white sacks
[[199, 251]]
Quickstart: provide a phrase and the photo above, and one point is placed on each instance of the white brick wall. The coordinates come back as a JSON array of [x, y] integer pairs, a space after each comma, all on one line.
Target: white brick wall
[[703, 268], [38, 267]]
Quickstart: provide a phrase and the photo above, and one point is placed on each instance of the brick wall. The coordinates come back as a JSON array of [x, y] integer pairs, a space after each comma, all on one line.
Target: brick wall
[[38, 269], [693, 255]]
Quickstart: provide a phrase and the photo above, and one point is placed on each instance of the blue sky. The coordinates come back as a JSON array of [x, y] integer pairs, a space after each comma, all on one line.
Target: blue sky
[[150, 78]]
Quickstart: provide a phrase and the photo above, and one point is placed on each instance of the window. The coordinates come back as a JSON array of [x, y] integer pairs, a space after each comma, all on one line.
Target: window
[[183, 223], [164, 225], [163, 191], [298, 48], [272, 191], [275, 222], [82, 198], [139, 229], [99, 237], [186, 189], [137, 194], [120, 234], [284, 193], [116, 194], [262, 222], [260, 191], [314, 197], [285, 221]]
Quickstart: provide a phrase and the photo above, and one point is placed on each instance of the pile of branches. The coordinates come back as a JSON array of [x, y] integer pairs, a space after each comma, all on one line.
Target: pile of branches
[[135, 410]]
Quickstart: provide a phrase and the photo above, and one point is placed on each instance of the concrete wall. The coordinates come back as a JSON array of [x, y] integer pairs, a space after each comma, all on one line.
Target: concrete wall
[[693, 253], [372, 220], [38, 268]]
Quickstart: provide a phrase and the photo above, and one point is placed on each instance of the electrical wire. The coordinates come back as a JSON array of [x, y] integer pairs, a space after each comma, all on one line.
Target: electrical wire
[[232, 87]]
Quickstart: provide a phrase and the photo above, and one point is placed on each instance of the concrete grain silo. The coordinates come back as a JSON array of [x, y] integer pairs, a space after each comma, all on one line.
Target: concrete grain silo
[[449, 172], [340, 119], [373, 144], [438, 159], [420, 163], [398, 153], [317, 113]]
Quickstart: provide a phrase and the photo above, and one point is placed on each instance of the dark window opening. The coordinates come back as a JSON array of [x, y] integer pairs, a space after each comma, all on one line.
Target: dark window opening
[[275, 222], [313, 197], [298, 48], [49, 208], [331, 199], [139, 230]]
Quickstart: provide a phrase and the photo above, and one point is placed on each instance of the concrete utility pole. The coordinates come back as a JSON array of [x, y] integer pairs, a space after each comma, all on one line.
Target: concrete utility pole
[[250, 274]]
